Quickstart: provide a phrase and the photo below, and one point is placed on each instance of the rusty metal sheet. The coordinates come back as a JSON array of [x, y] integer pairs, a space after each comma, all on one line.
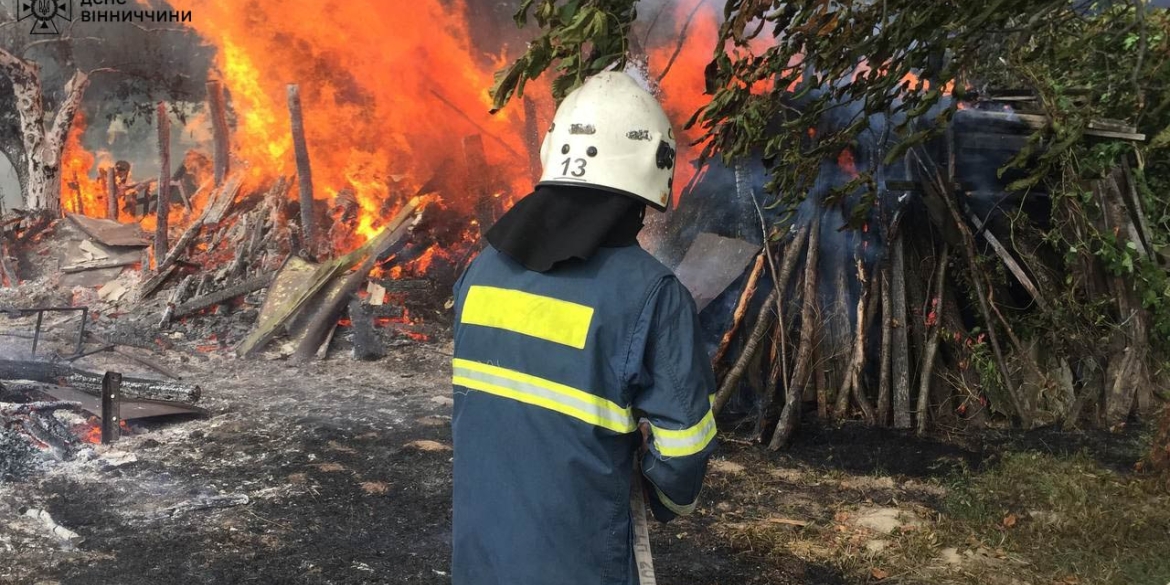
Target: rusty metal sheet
[[110, 232], [712, 264], [130, 409]]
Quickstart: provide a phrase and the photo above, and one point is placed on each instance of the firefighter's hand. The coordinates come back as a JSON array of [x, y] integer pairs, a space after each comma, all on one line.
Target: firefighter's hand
[[644, 426]]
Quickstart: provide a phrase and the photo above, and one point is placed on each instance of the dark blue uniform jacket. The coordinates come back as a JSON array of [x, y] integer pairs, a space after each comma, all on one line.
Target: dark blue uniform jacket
[[552, 373]]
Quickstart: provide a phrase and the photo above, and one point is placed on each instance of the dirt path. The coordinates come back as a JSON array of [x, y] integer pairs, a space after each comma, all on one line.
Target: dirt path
[[347, 471]]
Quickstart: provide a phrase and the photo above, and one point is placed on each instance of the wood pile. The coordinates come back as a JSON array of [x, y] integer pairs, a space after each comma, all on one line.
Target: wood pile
[[907, 325]]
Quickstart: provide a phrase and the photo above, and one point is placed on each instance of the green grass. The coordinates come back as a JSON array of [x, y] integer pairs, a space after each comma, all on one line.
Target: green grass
[[1074, 521]]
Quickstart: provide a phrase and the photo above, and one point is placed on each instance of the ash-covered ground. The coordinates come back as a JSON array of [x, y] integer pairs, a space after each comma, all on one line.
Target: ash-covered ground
[[347, 471], [339, 471]]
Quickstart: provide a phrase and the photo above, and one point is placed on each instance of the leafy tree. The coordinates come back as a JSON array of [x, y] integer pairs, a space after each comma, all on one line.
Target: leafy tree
[[780, 68]]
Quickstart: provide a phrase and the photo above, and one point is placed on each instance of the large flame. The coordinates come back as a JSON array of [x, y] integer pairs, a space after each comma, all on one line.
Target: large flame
[[386, 94], [80, 193], [390, 99]]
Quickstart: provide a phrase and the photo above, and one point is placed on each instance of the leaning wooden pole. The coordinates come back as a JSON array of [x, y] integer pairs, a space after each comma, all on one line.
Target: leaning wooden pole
[[741, 307], [164, 183], [754, 341], [790, 416], [304, 171], [219, 130], [932, 337]]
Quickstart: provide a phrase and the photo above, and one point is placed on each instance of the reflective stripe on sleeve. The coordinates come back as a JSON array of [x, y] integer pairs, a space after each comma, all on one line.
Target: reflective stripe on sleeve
[[676, 508], [687, 441], [544, 393], [528, 314]]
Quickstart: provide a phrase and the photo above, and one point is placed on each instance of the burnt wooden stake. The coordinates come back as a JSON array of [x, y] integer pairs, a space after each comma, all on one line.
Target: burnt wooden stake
[[304, 171], [366, 346], [164, 182], [111, 407], [219, 130], [6, 269], [111, 194]]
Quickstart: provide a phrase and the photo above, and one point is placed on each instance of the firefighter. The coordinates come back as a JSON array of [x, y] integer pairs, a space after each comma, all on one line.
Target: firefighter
[[576, 353]]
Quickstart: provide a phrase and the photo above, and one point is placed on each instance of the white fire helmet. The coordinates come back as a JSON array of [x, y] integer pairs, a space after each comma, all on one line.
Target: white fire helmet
[[611, 134]]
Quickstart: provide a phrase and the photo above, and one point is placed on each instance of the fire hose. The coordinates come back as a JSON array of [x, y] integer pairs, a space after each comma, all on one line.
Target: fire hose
[[642, 557]]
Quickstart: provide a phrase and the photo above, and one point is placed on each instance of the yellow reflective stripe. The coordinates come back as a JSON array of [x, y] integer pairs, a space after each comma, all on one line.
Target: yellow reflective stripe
[[544, 393], [676, 508], [688, 441], [528, 314]]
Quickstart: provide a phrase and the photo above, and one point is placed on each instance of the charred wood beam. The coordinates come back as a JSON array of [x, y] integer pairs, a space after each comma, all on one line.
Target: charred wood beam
[[112, 194], [366, 346], [23, 408], [219, 129], [91, 383], [164, 184], [304, 170], [251, 285]]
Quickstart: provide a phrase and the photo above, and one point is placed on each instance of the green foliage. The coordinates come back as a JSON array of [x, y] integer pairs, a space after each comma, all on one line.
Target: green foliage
[[580, 38], [781, 70]]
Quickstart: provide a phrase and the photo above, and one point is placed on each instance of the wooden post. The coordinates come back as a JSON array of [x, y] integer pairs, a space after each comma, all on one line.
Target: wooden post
[[111, 407], [532, 138], [884, 396], [219, 129], [304, 172], [900, 348], [112, 194], [164, 183]]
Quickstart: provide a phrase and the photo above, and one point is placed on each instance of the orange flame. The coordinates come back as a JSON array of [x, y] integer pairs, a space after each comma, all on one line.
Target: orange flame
[[79, 193], [384, 93], [847, 163]]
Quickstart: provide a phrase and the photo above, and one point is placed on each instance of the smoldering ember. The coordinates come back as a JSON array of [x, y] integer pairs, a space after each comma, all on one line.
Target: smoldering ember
[[926, 244]]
